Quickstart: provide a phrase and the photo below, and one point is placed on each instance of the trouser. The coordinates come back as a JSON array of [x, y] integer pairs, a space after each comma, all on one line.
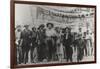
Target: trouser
[[32, 52], [75, 45], [80, 54], [85, 50], [25, 51], [51, 50], [68, 52], [18, 54], [41, 51], [89, 47], [60, 52]]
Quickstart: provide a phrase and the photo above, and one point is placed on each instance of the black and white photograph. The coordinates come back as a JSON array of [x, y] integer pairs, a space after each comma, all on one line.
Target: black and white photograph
[[47, 34]]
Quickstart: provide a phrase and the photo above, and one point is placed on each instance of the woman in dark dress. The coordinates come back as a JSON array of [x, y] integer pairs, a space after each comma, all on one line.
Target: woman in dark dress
[[67, 41], [41, 43], [80, 48]]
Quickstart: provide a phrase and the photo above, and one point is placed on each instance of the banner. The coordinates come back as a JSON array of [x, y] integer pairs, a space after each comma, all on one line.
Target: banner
[[63, 17], [56, 15]]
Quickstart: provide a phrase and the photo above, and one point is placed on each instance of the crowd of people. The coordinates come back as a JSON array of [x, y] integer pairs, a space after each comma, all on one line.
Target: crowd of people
[[52, 44]]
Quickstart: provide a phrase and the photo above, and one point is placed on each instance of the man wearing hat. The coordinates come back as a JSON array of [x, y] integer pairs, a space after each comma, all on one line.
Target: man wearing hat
[[50, 41], [88, 43], [17, 42], [25, 43]]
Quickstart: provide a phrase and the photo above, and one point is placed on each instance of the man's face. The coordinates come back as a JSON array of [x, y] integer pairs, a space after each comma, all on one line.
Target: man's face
[[34, 29], [80, 29], [66, 30], [57, 29], [42, 28], [84, 33], [19, 30], [26, 27], [49, 26], [87, 31]]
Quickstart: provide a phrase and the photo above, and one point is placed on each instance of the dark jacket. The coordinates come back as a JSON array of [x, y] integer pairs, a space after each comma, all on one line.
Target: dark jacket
[[25, 37], [68, 41]]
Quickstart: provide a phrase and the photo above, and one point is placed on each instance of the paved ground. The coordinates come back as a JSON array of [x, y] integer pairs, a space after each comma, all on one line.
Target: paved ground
[[85, 58]]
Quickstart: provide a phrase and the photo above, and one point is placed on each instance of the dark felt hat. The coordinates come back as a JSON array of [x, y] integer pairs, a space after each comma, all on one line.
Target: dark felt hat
[[68, 28], [41, 26], [50, 24], [26, 25]]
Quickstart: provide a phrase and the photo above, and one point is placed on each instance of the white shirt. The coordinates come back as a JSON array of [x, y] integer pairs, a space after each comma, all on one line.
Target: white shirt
[[50, 32], [17, 34], [88, 36]]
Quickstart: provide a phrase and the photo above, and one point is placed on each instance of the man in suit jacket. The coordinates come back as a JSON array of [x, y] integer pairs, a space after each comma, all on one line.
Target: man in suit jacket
[[25, 43]]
